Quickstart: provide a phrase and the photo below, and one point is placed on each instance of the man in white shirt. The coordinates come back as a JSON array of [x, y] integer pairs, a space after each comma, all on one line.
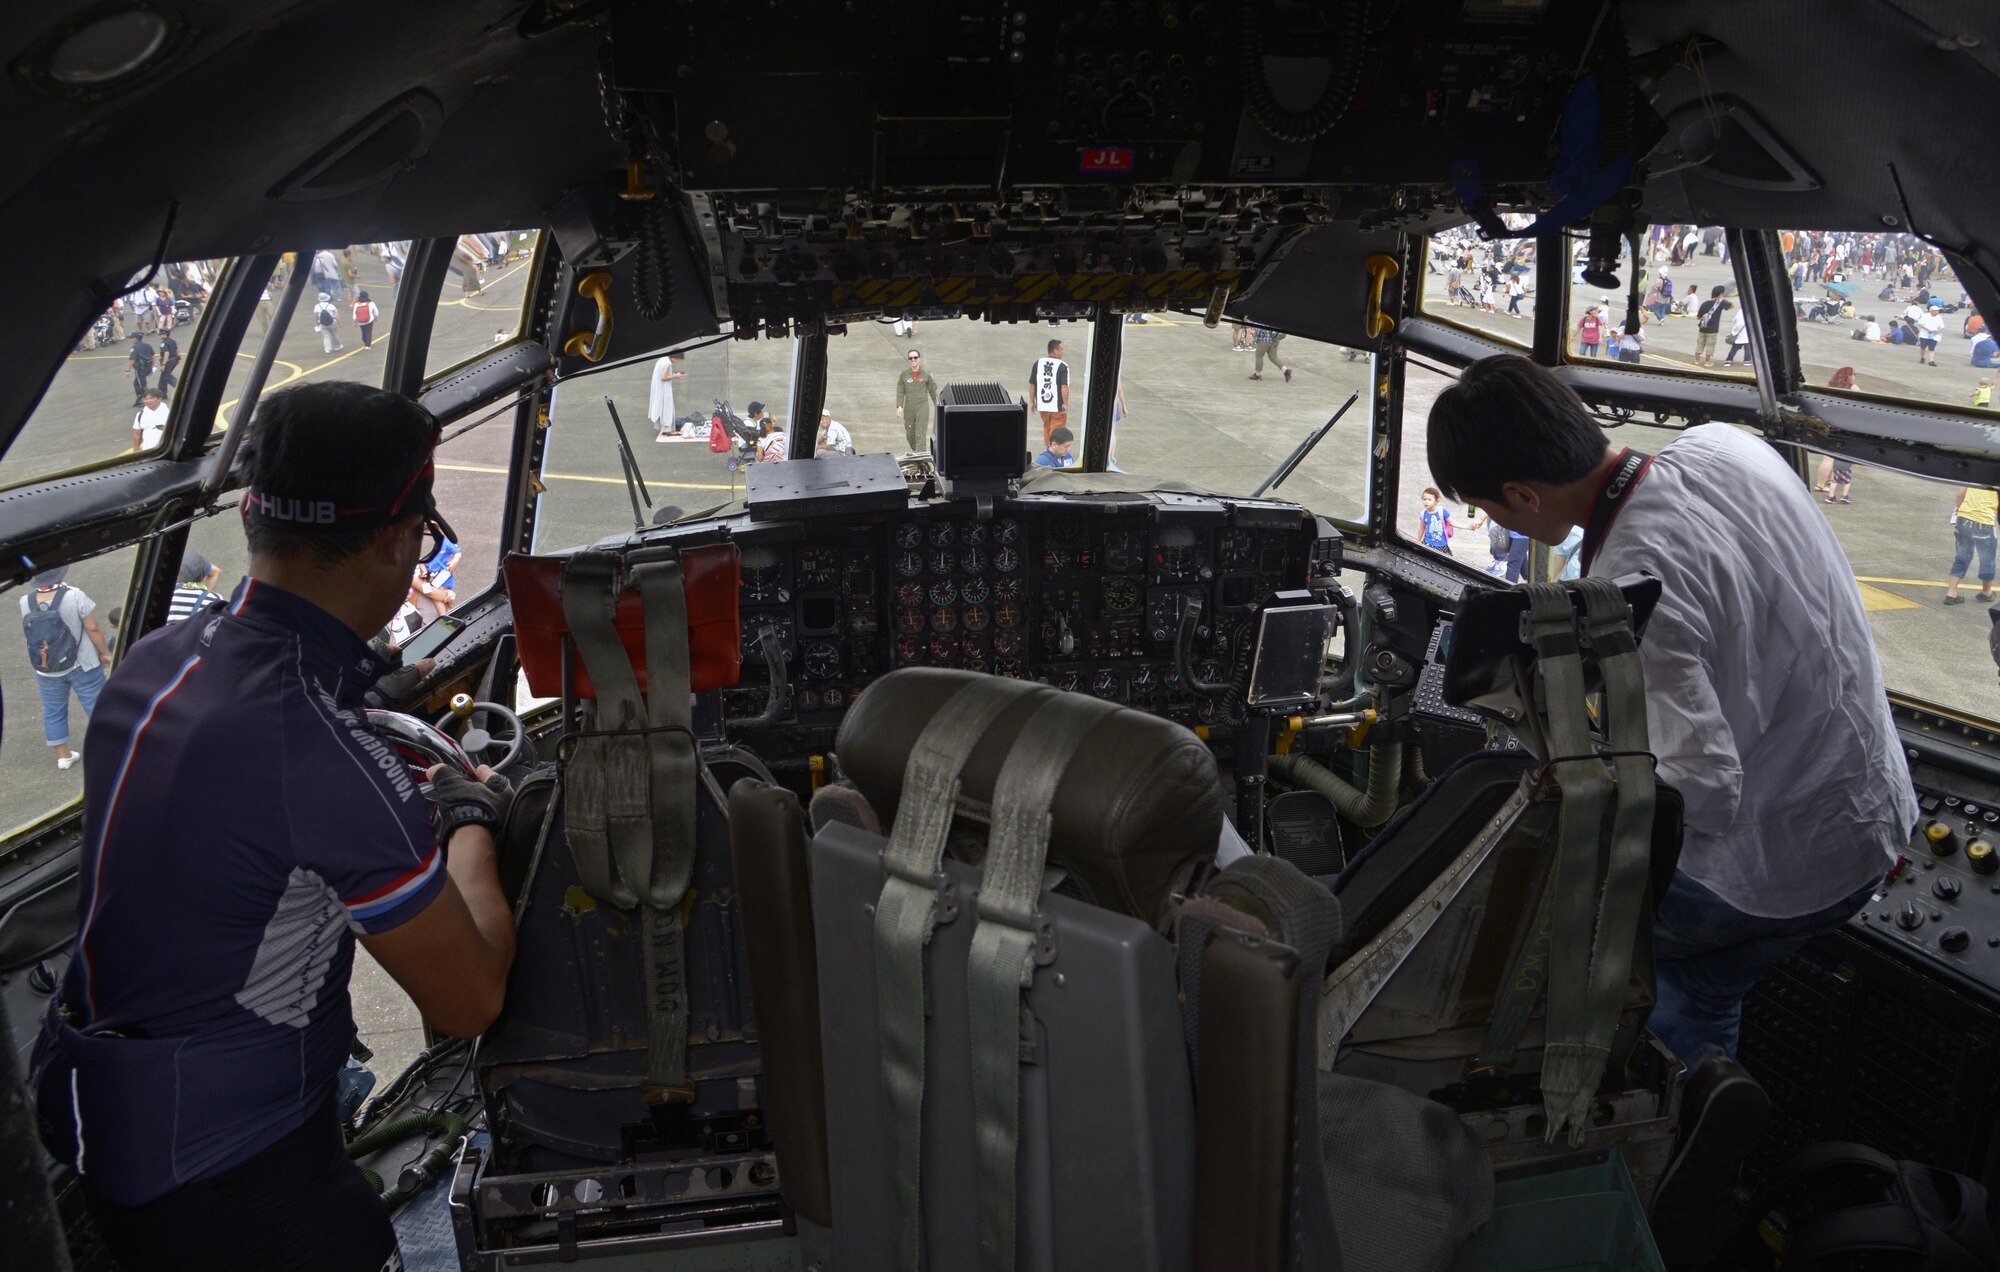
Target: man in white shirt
[[149, 425], [1766, 705], [1929, 328], [833, 435], [1048, 379]]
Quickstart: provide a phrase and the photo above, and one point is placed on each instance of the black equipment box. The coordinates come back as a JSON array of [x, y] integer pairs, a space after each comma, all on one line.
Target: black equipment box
[[825, 485], [981, 440]]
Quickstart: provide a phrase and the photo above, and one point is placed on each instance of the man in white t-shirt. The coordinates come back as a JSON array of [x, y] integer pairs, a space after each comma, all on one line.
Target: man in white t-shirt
[[833, 435], [326, 319], [1929, 328], [1048, 381], [149, 425]]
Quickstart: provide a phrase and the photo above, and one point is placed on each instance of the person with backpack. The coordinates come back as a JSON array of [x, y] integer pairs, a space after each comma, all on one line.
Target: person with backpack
[[325, 317], [56, 618], [365, 314]]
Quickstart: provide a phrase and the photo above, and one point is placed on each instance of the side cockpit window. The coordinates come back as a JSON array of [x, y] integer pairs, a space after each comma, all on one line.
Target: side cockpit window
[[116, 392]]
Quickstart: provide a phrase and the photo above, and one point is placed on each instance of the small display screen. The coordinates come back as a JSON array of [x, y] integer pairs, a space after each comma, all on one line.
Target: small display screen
[[431, 639], [1291, 653]]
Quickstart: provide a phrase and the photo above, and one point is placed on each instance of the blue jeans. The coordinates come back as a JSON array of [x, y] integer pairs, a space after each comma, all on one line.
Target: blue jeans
[[87, 677], [1707, 954], [1972, 536], [1517, 557]]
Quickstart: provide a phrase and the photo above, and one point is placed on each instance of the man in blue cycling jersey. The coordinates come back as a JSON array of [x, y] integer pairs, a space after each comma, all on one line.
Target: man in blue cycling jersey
[[186, 1067]]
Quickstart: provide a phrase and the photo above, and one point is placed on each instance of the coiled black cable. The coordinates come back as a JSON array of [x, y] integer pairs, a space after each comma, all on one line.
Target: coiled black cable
[[652, 271], [1341, 84]]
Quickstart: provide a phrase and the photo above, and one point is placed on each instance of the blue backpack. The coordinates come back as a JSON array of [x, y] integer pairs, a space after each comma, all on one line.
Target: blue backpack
[[52, 645]]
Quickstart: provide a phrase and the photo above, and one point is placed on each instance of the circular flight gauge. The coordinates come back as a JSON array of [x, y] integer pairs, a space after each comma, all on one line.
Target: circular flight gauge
[[975, 591], [909, 594], [1178, 552], [975, 535], [909, 564], [819, 566], [972, 561], [941, 561], [1006, 532], [822, 659], [973, 644], [910, 620], [943, 534], [944, 648], [909, 535], [943, 619], [1006, 560], [1105, 684], [1007, 644], [763, 574], [1009, 589], [1009, 668], [907, 649], [1145, 680], [976, 618], [1055, 559], [1121, 596], [1124, 551], [943, 592], [1007, 615], [1067, 530], [833, 698]]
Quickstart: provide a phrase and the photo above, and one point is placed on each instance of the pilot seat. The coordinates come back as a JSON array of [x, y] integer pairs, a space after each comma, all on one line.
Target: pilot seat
[[1048, 1032]]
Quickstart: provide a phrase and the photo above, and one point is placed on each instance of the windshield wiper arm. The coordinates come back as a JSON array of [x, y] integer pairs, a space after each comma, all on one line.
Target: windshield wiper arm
[[1305, 448], [635, 485]]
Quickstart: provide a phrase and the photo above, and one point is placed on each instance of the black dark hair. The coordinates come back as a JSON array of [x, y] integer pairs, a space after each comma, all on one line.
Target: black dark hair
[[1510, 419], [350, 443], [1716, 290], [1060, 435], [1054, 345]]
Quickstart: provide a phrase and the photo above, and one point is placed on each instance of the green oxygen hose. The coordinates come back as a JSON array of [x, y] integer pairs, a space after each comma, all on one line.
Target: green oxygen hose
[[1366, 809], [449, 1126]]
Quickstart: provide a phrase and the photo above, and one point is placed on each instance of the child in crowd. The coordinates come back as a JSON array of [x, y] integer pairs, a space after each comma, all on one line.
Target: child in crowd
[[365, 314], [1437, 527]]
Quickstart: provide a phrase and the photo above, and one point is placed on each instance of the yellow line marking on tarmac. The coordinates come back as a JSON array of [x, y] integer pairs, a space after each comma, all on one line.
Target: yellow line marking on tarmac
[[608, 481], [465, 302], [1875, 600], [1876, 578]]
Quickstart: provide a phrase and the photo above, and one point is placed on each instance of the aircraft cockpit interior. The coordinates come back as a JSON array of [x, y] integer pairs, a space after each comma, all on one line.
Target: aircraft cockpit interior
[[1023, 748]]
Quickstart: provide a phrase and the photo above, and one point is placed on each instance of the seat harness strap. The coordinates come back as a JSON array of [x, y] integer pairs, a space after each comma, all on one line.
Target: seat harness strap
[[915, 898], [1011, 939], [1594, 899], [631, 811]]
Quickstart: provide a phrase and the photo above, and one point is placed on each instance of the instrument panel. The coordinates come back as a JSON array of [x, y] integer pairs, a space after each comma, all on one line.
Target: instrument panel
[[1087, 594]]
